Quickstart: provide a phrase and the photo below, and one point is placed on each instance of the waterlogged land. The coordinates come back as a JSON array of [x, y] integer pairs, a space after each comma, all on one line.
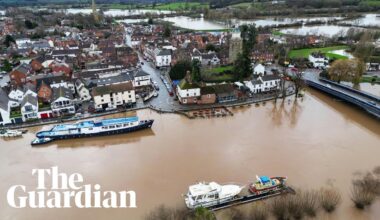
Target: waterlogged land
[[316, 142]]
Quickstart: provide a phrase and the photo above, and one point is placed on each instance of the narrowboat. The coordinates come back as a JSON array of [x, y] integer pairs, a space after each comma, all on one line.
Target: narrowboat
[[93, 128]]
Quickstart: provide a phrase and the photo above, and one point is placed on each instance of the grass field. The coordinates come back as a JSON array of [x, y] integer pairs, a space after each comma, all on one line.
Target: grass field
[[370, 79], [181, 6], [373, 3], [245, 5], [217, 75], [304, 53], [277, 33], [169, 6]]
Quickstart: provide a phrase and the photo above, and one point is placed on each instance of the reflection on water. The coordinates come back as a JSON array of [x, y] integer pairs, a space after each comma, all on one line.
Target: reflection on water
[[369, 20], [315, 142], [104, 141], [324, 30]]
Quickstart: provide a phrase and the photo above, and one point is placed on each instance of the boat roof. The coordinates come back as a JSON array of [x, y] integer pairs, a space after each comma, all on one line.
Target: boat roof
[[204, 188], [264, 179], [87, 124]]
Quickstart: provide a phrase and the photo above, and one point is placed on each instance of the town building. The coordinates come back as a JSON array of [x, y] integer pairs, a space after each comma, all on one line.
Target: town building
[[111, 96]]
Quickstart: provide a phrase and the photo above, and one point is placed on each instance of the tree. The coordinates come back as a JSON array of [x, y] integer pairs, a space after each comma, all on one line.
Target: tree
[[30, 25], [178, 71], [248, 33], [7, 67], [196, 70], [242, 66], [150, 20], [347, 70], [167, 31], [210, 47], [298, 81], [201, 213], [364, 48], [8, 40]]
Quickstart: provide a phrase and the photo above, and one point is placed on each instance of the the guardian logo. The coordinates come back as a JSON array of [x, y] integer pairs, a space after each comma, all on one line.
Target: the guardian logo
[[66, 192]]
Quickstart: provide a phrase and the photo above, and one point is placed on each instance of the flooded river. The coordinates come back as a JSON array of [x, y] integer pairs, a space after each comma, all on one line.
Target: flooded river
[[315, 142]]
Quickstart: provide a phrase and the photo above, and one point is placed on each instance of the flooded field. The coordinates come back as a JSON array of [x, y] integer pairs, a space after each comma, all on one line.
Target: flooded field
[[315, 142]]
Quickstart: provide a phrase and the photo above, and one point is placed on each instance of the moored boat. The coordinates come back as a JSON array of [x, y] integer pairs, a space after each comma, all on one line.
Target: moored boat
[[264, 184], [210, 194], [10, 133], [39, 141], [95, 128]]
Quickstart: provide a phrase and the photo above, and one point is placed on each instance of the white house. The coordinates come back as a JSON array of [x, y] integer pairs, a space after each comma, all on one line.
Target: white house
[[271, 82], [259, 70], [62, 102], [141, 78], [23, 42], [4, 108], [111, 96], [163, 58], [66, 84], [188, 93], [82, 91], [264, 84], [16, 94], [318, 60], [29, 107], [209, 58]]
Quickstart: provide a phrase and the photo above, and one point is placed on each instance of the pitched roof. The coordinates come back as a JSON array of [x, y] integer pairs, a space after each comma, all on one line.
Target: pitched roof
[[141, 73], [270, 77], [223, 88], [186, 85], [3, 100], [164, 52], [62, 92], [29, 99], [113, 79], [102, 90], [207, 90]]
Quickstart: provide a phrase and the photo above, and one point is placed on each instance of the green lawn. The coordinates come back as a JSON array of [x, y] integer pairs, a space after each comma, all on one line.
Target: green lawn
[[370, 79], [217, 75], [304, 53], [245, 5], [277, 33], [373, 3], [180, 6], [169, 6], [219, 69]]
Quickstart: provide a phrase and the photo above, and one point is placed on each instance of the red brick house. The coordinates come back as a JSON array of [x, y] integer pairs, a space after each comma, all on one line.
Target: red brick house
[[44, 92], [61, 68], [19, 74], [36, 64]]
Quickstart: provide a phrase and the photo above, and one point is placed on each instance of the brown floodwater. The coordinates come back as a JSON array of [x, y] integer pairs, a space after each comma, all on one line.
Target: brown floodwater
[[315, 142]]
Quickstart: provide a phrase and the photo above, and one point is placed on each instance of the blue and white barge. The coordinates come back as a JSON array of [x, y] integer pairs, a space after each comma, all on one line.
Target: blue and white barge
[[92, 128]]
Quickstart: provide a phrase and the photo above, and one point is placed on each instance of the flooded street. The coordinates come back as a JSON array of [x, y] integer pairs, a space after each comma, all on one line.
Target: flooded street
[[315, 142]]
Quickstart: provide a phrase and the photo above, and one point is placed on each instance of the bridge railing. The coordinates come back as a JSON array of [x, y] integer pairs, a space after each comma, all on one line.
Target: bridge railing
[[365, 94], [372, 109]]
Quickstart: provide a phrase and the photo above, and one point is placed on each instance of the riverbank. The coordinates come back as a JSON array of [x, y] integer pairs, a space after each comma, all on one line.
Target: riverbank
[[175, 110]]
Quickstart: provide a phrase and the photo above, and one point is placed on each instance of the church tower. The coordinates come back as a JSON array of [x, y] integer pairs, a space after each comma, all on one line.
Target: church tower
[[94, 11]]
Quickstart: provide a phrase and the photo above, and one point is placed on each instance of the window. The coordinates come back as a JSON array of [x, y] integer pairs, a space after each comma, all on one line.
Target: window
[[112, 126]]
